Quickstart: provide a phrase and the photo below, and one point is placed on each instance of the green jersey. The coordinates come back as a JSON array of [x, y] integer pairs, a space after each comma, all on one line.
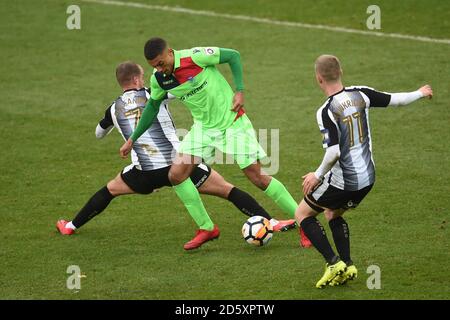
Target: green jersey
[[199, 85]]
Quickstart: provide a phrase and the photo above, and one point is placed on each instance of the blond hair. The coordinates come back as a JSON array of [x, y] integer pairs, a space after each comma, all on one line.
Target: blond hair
[[126, 71], [328, 67]]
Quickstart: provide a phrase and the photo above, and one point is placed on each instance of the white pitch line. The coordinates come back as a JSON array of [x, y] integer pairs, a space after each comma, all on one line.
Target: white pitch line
[[268, 21]]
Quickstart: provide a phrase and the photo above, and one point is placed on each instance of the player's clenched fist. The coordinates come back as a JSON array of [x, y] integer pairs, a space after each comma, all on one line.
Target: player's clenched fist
[[426, 91], [126, 148]]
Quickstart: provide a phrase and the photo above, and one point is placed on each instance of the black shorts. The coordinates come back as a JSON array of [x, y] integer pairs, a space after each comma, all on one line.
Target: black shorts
[[325, 196], [144, 182]]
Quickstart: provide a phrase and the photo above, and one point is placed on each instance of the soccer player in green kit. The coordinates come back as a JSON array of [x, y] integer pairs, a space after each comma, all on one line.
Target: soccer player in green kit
[[219, 122]]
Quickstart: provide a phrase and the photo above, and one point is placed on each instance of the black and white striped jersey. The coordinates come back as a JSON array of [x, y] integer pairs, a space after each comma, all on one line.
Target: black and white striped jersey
[[156, 148], [344, 119]]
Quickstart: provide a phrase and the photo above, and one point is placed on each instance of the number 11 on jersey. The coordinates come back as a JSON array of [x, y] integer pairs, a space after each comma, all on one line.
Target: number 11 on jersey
[[349, 122]]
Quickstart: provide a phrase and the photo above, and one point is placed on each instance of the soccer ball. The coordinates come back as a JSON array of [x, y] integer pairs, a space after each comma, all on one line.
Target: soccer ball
[[257, 230]]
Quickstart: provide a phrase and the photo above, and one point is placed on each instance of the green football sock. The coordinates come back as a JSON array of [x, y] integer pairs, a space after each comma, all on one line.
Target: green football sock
[[278, 192], [190, 197]]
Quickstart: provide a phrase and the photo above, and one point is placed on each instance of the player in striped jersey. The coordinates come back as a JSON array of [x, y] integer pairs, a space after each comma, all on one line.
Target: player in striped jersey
[[347, 172], [152, 156]]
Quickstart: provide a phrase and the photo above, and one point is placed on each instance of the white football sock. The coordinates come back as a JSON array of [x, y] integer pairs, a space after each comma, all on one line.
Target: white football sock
[[273, 222], [70, 225]]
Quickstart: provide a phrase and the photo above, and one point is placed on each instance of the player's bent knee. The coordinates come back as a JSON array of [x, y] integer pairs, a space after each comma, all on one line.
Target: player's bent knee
[[304, 211], [117, 187], [113, 188], [332, 214], [177, 177]]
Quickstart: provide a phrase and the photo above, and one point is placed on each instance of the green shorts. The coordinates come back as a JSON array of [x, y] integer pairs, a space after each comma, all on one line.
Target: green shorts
[[239, 141]]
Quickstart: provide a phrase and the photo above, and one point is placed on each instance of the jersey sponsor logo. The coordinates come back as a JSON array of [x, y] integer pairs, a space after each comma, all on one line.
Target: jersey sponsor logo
[[165, 83], [149, 149], [195, 51], [191, 93], [209, 51]]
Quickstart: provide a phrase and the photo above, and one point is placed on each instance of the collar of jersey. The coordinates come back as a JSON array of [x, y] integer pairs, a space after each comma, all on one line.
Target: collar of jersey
[[128, 90], [176, 59], [343, 89]]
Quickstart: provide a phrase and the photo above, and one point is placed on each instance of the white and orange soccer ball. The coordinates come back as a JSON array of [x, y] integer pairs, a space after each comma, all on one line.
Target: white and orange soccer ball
[[257, 231]]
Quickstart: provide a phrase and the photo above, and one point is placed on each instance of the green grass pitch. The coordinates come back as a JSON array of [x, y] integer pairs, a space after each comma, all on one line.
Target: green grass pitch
[[56, 84]]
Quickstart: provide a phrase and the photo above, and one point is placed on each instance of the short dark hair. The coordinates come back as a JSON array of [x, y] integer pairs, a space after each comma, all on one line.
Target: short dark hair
[[154, 47], [126, 71]]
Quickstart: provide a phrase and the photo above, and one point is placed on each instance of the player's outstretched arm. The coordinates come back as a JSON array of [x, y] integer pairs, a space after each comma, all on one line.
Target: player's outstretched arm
[[233, 58], [149, 114], [404, 98]]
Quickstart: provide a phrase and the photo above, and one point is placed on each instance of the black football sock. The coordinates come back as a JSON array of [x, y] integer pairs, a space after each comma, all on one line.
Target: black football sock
[[247, 204], [93, 207], [341, 236], [316, 234]]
